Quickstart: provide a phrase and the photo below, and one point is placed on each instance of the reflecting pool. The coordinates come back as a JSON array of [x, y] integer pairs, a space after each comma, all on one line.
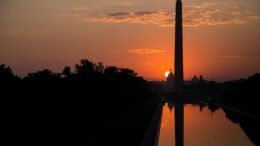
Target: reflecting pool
[[196, 125]]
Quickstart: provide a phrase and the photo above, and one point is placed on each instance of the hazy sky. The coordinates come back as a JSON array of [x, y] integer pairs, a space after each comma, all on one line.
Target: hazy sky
[[221, 37]]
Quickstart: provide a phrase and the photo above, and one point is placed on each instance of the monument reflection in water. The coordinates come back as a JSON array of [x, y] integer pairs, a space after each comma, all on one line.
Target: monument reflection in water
[[192, 125], [179, 123]]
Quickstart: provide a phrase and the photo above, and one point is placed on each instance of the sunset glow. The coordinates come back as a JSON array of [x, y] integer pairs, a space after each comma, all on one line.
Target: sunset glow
[[167, 73], [162, 72], [221, 39]]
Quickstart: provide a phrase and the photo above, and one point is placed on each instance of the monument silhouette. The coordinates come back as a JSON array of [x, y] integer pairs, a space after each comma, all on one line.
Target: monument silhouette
[[178, 63]]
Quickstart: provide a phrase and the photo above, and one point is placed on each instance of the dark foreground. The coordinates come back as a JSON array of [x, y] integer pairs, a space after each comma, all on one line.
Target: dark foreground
[[97, 105], [92, 105]]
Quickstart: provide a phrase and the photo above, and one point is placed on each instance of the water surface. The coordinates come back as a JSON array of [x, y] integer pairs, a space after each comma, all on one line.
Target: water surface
[[201, 127]]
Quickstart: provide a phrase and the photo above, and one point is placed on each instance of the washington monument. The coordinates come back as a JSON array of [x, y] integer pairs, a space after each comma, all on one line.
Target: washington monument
[[178, 63]]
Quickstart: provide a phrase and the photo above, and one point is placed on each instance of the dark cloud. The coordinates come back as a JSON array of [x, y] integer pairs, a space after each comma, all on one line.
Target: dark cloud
[[118, 14], [211, 13], [142, 13]]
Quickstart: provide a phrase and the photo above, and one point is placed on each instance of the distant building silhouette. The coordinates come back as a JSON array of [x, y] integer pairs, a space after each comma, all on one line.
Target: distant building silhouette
[[201, 79], [178, 64], [170, 82], [194, 80]]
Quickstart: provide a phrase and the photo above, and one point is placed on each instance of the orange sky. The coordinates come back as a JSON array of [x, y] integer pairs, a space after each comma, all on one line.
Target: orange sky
[[221, 39]]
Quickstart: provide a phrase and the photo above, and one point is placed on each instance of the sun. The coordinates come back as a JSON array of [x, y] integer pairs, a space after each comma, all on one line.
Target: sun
[[167, 73]]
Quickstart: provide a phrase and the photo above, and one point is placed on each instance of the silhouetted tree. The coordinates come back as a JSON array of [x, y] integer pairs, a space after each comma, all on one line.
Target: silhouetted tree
[[5, 73], [111, 70], [95, 94], [67, 71], [85, 67], [99, 67], [45, 75], [7, 78], [128, 72]]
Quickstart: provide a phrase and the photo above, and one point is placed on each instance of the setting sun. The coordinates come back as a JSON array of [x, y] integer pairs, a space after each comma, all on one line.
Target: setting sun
[[167, 73]]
